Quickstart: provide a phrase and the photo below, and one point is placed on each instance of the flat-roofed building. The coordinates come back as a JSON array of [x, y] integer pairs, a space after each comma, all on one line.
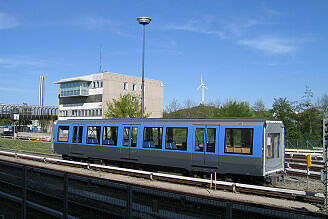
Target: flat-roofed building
[[85, 97]]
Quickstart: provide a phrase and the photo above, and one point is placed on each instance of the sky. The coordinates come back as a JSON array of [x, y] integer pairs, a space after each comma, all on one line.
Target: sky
[[245, 50]]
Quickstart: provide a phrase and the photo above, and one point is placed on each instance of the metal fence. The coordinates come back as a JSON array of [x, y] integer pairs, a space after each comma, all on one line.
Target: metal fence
[[303, 144], [28, 192]]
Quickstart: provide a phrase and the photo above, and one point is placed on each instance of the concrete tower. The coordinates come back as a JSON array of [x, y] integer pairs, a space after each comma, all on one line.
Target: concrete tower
[[41, 91]]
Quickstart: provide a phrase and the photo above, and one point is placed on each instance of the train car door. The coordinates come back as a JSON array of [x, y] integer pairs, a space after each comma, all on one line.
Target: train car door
[[129, 150], [77, 138], [204, 151]]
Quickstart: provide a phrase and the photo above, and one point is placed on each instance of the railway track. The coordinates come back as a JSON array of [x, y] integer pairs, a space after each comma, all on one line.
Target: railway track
[[229, 186], [26, 138], [296, 163]]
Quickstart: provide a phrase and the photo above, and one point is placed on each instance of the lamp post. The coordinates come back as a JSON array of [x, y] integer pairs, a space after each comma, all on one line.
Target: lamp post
[[144, 21]]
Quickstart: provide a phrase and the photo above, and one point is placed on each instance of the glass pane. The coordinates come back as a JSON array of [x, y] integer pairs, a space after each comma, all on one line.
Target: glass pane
[[176, 138], [93, 136], [126, 136], [211, 136], [110, 135], [74, 134], [63, 133], [272, 147], [199, 144], [134, 135], [239, 140], [79, 140], [153, 137]]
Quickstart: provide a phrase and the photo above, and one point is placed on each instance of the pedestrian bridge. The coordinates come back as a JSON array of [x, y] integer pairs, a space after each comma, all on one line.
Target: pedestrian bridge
[[28, 112]]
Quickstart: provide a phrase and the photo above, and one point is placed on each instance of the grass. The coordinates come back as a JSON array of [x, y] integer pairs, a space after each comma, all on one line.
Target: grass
[[41, 147]]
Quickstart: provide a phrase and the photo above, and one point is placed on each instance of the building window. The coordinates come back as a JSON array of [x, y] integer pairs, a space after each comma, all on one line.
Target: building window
[[63, 133], [152, 137], [176, 139], [134, 87], [238, 140], [101, 83], [74, 89], [125, 86]]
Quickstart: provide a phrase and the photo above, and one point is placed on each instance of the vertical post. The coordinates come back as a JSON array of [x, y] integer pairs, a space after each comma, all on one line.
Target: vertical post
[[65, 212], [143, 73], [215, 180], [24, 192], [325, 154], [144, 21], [14, 129], [211, 181], [129, 201]]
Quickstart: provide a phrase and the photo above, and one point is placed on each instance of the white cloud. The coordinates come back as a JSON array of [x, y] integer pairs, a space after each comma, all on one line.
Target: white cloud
[[271, 45], [7, 21], [196, 28], [228, 29], [92, 22], [19, 61]]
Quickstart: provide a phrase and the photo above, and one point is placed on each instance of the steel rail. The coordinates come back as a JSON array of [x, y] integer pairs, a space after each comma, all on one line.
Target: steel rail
[[234, 187]]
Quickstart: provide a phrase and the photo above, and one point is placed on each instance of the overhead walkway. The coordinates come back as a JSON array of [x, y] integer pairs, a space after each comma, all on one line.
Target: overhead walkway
[[28, 112]]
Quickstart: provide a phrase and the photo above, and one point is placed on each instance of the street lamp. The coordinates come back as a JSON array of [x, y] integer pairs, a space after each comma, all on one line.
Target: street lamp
[[144, 21]]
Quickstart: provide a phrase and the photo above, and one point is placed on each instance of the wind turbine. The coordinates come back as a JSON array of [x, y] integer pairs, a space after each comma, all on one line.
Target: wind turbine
[[202, 85]]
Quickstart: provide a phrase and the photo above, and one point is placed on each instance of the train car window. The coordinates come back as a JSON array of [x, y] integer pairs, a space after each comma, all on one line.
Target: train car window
[[126, 136], [152, 137], [272, 148], [110, 135], [93, 136], [74, 134], [134, 135], [211, 136], [239, 140], [79, 139], [63, 133], [176, 139], [199, 144]]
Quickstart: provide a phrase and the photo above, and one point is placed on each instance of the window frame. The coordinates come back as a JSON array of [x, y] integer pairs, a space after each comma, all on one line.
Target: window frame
[[274, 149], [75, 133], [159, 141], [125, 86], [103, 135], [98, 137], [183, 147], [58, 132], [240, 153]]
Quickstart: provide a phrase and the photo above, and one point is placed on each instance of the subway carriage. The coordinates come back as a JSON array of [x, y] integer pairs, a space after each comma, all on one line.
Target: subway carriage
[[233, 146]]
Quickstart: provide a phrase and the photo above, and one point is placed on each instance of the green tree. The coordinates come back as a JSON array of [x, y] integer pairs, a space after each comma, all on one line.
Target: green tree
[[233, 108], [308, 116], [6, 121], [309, 123], [126, 106], [284, 110], [322, 105], [259, 109]]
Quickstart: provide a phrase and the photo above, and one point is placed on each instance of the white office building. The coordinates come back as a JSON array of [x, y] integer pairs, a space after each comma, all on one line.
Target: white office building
[[86, 96]]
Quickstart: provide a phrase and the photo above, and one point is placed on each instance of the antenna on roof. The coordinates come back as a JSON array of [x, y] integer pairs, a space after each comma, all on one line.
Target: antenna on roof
[[100, 58]]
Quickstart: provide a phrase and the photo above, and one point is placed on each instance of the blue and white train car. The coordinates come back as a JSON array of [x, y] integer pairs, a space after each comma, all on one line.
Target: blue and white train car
[[236, 146]]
